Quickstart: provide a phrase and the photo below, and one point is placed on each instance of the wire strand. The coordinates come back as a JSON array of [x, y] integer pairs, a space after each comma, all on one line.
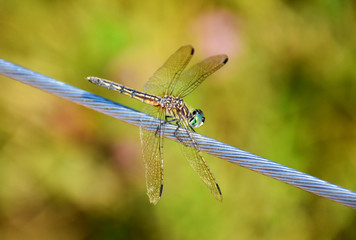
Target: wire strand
[[206, 144]]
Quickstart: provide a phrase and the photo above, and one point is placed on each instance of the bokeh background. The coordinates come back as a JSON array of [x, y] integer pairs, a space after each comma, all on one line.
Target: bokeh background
[[288, 93]]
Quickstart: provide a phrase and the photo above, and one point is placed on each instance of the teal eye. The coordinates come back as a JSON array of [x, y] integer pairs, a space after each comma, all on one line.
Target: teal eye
[[197, 118]]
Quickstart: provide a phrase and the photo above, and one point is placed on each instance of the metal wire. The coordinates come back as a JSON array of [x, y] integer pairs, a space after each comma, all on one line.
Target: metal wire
[[206, 144]]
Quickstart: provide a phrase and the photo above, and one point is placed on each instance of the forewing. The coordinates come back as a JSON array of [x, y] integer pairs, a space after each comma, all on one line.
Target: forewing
[[163, 80], [152, 147], [194, 76], [198, 163]]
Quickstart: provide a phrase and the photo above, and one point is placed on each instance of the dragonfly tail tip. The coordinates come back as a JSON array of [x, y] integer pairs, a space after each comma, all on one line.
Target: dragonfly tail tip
[[90, 78]]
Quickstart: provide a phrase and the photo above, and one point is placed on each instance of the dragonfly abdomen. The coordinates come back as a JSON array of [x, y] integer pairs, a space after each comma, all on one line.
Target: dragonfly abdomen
[[143, 97]]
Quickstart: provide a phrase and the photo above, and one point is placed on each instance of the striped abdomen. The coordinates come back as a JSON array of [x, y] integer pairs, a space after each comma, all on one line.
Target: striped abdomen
[[143, 97]]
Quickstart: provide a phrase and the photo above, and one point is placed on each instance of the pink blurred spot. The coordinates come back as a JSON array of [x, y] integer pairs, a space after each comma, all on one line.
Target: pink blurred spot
[[217, 33]]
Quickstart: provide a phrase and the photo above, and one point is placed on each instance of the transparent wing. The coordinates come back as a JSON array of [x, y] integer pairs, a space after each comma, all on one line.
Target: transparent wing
[[152, 149], [198, 163], [194, 76], [163, 80]]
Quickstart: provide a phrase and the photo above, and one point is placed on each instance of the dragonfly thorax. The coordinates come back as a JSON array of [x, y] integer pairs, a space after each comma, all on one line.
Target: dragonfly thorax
[[170, 103]]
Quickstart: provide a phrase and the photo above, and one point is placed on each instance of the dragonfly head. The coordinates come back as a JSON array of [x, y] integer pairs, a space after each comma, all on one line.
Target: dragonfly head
[[197, 118]]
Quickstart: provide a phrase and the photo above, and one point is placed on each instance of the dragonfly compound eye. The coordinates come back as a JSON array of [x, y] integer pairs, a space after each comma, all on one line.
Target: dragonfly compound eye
[[197, 119]]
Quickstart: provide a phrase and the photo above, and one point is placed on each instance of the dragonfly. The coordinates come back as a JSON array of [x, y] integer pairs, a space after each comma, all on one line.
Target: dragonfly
[[163, 93]]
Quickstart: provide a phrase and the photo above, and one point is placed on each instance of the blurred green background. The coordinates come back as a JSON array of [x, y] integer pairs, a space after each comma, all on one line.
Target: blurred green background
[[288, 93]]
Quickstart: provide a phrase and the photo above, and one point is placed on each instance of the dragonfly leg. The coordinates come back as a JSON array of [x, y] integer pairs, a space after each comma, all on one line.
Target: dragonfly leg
[[191, 128], [176, 133], [158, 128], [168, 119]]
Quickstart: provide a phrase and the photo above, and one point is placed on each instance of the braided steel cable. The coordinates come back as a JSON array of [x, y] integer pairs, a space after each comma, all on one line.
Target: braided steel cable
[[206, 144]]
